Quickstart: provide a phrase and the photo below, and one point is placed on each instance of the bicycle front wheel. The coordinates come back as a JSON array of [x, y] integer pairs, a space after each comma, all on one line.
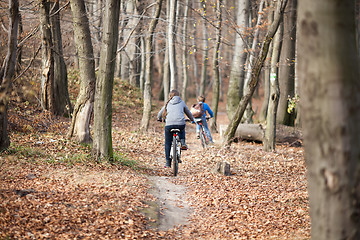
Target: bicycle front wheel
[[175, 157]]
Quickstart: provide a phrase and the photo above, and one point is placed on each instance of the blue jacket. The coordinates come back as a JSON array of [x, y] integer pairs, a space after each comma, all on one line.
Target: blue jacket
[[207, 108], [175, 110]]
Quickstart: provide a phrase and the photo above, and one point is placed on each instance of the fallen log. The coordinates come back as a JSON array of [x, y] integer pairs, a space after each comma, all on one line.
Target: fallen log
[[256, 132]]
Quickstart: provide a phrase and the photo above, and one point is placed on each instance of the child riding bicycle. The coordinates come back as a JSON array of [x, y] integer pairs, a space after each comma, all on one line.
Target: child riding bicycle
[[201, 100], [173, 113]]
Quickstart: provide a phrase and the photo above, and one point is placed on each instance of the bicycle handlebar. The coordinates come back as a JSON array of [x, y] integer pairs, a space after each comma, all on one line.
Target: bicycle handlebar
[[197, 119]]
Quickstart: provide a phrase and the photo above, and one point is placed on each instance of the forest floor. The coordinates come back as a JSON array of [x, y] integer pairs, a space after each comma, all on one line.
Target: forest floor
[[50, 188]]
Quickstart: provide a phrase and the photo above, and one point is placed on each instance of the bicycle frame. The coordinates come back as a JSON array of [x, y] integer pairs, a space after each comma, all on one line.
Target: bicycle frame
[[175, 151], [203, 137]]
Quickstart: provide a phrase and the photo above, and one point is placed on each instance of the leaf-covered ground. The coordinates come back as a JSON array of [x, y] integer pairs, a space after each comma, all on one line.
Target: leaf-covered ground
[[50, 188]]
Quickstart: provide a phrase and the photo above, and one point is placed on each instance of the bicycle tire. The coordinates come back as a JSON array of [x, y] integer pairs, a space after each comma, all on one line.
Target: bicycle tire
[[203, 139], [175, 157]]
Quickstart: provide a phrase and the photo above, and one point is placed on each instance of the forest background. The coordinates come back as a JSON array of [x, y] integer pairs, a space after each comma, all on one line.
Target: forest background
[[224, 50]]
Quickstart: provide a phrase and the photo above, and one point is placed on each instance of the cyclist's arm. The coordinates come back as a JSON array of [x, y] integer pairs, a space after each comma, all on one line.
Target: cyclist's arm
[[159, 116], [208, 109], [188, 113]]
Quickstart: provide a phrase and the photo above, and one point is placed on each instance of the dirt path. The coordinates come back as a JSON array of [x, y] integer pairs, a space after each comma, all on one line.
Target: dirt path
[[171, 208]]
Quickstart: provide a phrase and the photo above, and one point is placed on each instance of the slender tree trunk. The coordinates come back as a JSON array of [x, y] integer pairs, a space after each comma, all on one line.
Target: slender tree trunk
[[205, 58], [237, 72], [83, 110], [143, 63], [102, 145], [251, 58], [216, 68], [62, 104], [9, 71], [330, 101], [171, 39], [287, 65], [47, 73], [185, 56], [97, 33], [148, 76], [234, 123], [195, 72], [166, 76], [267, 70], [270, 132]]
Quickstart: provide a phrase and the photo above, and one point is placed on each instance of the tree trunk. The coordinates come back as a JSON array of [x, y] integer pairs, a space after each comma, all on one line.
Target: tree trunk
[[237, 73], [270, 133], [62, 104], [287, 65], [9, 72], [256, 133], [97, 33], [330, 101], [185, 56], [248, 114], [83, 110], [205, 58], [102, 146], [148, 79], [47, 73], [143, 63], [230, 131], [266, 87], [216, 83], [166, 76], [171, 39]]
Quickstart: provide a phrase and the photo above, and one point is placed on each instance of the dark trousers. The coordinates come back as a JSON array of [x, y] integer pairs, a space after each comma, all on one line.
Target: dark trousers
[[168, 140]]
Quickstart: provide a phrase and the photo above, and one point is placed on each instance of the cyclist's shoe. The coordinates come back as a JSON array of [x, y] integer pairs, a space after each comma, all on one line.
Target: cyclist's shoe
[[198, 136], [179, 160], [183, 144]]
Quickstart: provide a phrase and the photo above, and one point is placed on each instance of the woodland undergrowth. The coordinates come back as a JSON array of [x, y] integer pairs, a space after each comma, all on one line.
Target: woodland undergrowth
[[51, 188]]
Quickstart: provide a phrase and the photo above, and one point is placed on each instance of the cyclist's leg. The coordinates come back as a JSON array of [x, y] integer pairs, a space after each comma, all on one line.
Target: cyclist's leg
[[168, 141], [182, 136], [197, 130], [206, 129]]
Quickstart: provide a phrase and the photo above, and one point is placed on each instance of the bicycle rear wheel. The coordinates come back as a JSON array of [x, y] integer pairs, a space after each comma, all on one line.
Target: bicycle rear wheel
[[203, 139], [175, 157]]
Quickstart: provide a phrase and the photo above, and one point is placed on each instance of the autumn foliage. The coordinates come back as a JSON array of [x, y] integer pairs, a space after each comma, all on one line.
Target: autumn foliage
[[51, 188]]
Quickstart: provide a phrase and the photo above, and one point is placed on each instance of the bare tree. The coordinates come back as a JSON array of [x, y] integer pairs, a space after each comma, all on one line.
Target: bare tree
[[8, 71], [237, 72], [234, 123], [171, 40], [248, 114], [330, 101], [148, 78], [185, 50], [54, 88], [83, 110], [102, 144], [216, 67], [287, 64], [270, 132], [205, 56]]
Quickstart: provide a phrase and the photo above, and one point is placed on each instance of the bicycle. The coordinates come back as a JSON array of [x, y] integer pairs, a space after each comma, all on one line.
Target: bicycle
[[175, 151], [203, 137]]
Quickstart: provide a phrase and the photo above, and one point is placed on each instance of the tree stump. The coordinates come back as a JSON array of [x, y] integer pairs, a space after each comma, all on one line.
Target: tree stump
[[222, 168]]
